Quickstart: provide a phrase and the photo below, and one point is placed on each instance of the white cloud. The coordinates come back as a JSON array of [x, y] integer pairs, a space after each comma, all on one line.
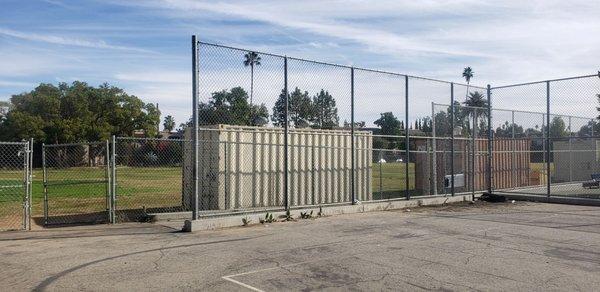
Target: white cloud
[[69, 41]]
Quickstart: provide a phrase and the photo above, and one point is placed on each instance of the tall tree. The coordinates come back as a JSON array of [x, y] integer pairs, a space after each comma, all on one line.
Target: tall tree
[[169, 123], [467, 74], [251, 59], [389, 124], [300, 109], [77, 112], [558, 128], [476, 108], [325, 111], [230, 107]]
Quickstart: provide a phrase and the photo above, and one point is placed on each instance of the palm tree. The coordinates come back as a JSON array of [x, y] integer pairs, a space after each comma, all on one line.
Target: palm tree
[[468, 74], [475, 100], [169, 123], [251, 59]]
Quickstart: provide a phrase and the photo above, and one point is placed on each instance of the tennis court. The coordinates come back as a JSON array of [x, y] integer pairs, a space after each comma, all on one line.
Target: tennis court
[[481, 246], [571, 189]]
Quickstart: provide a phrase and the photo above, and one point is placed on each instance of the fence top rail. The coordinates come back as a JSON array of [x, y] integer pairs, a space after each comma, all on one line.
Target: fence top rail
[[337, 65], [13, 143], [516, 111], [76, 144], [544, 81], [151, 139]]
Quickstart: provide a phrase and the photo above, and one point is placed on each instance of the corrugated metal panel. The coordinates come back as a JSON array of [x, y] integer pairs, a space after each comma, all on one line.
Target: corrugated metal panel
[[242, 167]]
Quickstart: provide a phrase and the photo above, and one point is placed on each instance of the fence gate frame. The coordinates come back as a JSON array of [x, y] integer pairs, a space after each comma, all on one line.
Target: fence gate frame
[[26, 166], [107, 182]]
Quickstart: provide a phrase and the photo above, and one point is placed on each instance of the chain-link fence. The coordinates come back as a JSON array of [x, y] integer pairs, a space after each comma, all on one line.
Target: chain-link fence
[[148, 177], [76, 180], [561, 129], [281, 132], [274, 132], [15, 184]]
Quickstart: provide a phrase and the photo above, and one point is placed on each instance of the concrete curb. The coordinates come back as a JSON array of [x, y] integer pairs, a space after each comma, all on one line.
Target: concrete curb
[[554, 200], [236, 220]]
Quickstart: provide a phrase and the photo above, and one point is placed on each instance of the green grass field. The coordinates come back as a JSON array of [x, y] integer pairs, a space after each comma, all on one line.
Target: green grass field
[[83, 190], [389, 180]]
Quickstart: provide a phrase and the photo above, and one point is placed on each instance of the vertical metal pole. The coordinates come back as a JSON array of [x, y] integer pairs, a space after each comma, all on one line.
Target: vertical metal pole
[[380, 176], [570, 152], [113, 186], [107, 177], [452, 139], [593, 124], [352, 155], [406, 140], [285, 136], [434, 147], [30, 183], [490, 140], [514, 157], [45, 182], [473, 152], [544, 145], [549, 178], [195, 127], [25, 184]]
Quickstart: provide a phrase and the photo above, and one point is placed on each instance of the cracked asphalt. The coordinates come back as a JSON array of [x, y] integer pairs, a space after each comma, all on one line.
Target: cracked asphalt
[[489, 247]]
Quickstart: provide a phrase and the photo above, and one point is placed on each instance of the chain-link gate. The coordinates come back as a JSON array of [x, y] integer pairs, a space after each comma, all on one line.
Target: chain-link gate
[[148, 177], [15, 185], [76, 183]]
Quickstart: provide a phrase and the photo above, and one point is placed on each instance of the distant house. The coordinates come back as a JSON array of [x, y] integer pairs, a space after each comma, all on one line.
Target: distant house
[[3, 111], [161, 134]]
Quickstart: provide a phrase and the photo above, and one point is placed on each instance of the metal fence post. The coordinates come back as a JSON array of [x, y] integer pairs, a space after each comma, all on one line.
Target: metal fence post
[[29, 185], [514, 157], [549, 178], [113, 162], [434, 149], [107, 177], [285, 138], [45, 182], [490, 141], [452, 138], [544, 158], [570, 151], [195, 127], [473, 152], [352, 154], [406, 140], [380, 175]]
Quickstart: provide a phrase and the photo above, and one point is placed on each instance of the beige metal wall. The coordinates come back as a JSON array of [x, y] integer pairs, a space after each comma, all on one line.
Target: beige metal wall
[[242, 167]]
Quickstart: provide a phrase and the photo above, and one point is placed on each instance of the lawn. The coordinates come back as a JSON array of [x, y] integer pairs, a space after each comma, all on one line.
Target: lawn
[[389, 180], [83, 190]]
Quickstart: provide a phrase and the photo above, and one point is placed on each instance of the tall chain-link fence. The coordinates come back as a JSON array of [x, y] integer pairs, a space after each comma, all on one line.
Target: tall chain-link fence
[[15, 184], [561, 128], [276, 132]]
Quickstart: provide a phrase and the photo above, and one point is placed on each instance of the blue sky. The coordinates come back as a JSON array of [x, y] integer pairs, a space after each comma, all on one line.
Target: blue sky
[[144, 46]]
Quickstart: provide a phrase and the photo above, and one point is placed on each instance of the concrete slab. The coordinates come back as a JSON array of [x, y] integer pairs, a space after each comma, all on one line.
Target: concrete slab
[[221, 220], [491, 247]]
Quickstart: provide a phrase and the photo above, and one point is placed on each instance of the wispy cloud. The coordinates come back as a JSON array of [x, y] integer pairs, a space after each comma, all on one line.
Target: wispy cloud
[[67, 41]]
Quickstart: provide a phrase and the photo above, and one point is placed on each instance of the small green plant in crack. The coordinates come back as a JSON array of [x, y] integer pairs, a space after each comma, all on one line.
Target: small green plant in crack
[[306, 215], [246, 221], [268, 218], [288, 216]]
